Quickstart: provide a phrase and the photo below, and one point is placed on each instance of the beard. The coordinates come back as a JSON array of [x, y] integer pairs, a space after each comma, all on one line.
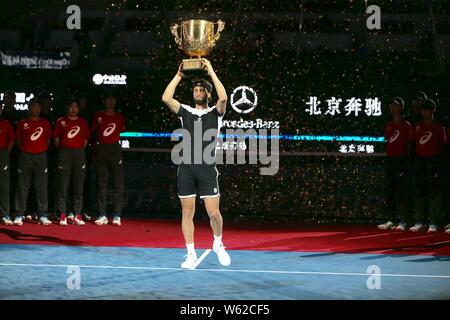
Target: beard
[[201, 101]]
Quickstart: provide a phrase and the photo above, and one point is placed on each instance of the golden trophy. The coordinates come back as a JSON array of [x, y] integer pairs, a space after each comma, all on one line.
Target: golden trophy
[[196, 38]]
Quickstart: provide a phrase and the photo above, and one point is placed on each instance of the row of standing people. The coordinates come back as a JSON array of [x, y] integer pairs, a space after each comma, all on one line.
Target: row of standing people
[[70, 135], [417, 170]]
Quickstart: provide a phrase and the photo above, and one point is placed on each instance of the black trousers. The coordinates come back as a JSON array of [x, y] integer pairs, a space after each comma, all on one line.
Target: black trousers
[[109, 160], [71, 164], [4, 182], [32, 167], [429, 184], [397, 188]]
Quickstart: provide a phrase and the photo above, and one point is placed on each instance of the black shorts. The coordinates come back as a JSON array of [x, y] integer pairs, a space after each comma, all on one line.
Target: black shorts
[[199, 180]]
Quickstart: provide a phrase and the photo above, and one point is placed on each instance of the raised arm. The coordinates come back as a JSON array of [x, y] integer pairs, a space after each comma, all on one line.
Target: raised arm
[[221, 104], [167, 97]]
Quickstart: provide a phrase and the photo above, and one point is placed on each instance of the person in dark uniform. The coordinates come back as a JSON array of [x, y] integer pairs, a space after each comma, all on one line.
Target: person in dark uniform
[[9, 112], [107, 126], [196, 176], [398, 133], [429, 138], [7, 138], [33, 136], [71, 136]]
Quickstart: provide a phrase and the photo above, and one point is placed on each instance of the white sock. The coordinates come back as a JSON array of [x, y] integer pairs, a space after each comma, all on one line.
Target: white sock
[[217, 239], [190, 248]]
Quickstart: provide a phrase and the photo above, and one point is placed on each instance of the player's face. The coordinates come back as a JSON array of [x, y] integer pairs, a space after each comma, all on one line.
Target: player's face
[[416, 103], [200, 95], [9, 100], [47, 103], [395, 109], [35, 109], [426, 113], [109, 102], [83, 103], [73, 109]]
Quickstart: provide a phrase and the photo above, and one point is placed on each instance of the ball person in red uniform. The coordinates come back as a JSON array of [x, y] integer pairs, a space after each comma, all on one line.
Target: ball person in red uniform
[[7, 138], [71, 135], [33, 136], [429, 138], [107, 126], [398, 133]]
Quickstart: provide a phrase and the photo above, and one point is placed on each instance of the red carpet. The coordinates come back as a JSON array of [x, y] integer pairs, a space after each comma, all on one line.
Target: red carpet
[[242, 236]]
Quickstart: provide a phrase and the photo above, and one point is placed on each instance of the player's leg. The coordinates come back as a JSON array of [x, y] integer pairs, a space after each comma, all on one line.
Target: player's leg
[[4, 187], [390, 194], [434, 186], [63, 184], [208, 186], [215, 217], [116, 165], [79, 173], [24, 175], [40, 177], [419, 194], [102, 183], [187, 195], [212, 207], [406, 185], [187, 226]]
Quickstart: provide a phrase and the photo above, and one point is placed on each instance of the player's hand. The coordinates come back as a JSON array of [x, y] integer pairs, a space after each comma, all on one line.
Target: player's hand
[[180, 72], [206, 65]]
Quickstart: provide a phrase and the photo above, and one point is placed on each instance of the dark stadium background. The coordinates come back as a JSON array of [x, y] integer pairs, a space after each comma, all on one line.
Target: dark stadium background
[[262, 46]]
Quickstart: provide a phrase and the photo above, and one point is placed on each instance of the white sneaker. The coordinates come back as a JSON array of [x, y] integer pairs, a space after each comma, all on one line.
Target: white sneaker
[[387, 226], [432, 228], [44, 221], [116, 221], [101, 220], [78, 221], [28, 217], [447, 230], [401, 227], [18, 221], [416, 228], [447, 226], [71, 217], [7, 221], [62, 220], [191, 260], [224, 257]]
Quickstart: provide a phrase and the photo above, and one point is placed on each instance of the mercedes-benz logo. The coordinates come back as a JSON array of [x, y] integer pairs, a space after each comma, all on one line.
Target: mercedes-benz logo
[[244, 99]]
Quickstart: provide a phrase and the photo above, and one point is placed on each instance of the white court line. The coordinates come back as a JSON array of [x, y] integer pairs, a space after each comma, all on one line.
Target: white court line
[[202, 257], [371, 236], [230, 270]]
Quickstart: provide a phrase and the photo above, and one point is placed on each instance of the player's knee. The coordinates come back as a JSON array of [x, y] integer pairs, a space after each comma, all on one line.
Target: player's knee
[[188, 213], [215, 214]]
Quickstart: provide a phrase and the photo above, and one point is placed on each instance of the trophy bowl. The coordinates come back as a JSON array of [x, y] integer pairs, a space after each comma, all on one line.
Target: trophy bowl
[[196, 38]]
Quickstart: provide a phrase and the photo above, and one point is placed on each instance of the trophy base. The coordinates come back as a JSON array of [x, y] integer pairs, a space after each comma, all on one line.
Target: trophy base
[[192, 65]]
